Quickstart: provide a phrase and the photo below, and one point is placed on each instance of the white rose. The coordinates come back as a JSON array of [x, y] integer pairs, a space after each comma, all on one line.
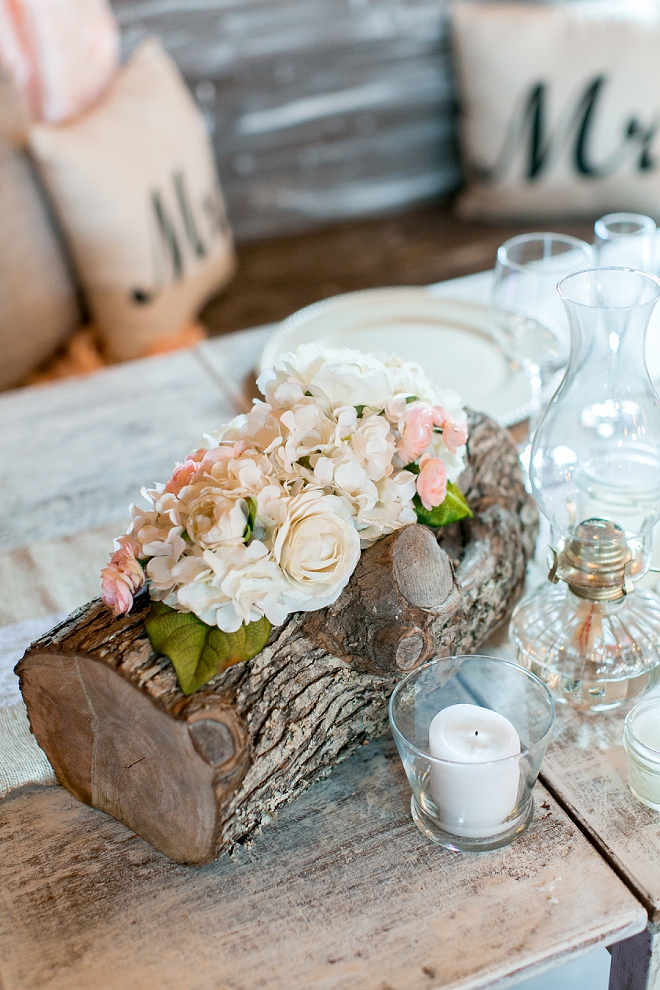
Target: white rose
[[317, 548]]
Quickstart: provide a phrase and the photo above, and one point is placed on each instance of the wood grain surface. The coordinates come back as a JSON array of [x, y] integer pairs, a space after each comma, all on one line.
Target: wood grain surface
[[341, 892], [56, 575], [586, 768], [318, 109], [74, 455]]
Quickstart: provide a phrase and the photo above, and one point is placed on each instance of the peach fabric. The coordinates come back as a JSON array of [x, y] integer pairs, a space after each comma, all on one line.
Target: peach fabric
[[61, 53]]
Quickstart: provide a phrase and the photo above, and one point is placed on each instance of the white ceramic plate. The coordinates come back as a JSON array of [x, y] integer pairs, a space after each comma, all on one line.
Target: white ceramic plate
[[449, 338]]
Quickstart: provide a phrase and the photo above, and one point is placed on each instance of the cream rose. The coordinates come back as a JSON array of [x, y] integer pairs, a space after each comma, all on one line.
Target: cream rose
[[317, 548], [212, 518]]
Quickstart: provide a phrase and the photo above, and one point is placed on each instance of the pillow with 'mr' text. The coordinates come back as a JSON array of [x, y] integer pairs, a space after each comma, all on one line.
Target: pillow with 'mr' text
[[560, 107]]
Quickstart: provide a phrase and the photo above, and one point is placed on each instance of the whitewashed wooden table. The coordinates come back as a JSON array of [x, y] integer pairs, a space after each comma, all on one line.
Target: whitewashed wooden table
[[341, 892], [586, 769]]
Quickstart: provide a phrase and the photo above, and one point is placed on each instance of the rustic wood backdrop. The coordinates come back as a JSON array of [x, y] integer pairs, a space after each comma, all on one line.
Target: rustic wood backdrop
[[320, 110]]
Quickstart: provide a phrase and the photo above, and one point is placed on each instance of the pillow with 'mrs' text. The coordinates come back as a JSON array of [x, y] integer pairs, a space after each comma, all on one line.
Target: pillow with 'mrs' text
[[560, 107]]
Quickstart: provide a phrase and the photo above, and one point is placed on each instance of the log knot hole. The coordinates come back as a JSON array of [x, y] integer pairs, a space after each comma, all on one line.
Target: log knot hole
[[410, 649], [218, 736], [213, 741]]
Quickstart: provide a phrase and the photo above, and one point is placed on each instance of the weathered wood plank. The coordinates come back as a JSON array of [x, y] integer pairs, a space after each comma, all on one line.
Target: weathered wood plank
[[319, 109], [233, 360], [341, 892], [586, 768], [56, 575], [72, 881], [74, 455]]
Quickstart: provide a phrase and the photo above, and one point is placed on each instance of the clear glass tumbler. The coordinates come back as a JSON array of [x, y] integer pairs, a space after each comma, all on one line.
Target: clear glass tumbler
[[477, 794], [527, 318], [626, 240]]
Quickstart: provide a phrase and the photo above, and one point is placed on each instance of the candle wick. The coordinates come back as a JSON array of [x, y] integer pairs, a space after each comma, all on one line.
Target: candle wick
[[476, 732]]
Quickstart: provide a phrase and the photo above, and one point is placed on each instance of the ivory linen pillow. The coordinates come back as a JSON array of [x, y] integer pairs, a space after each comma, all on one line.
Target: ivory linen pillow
[[560, 107], [135, 187]]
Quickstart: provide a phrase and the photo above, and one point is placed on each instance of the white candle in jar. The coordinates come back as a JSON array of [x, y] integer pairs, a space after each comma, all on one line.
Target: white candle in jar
[[642, 742], [476, 789]]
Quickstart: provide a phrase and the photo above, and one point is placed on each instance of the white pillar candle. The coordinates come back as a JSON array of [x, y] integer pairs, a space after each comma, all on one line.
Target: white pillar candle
[[642, 743], [473, 792]]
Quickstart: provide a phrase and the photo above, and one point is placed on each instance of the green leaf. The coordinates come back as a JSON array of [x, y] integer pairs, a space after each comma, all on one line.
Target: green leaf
[[411, 398], [360, 410], [252, 517], [451, 510], [197, 651]]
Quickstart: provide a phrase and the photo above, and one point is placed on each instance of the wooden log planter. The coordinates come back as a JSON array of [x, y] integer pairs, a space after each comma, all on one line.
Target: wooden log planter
[[195, 775]]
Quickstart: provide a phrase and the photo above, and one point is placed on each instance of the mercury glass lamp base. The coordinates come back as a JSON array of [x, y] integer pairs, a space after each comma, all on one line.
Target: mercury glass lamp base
[[461, 843], [595, 656]]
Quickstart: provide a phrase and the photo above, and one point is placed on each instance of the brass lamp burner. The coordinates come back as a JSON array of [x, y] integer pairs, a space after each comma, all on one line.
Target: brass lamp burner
[[596, 562]]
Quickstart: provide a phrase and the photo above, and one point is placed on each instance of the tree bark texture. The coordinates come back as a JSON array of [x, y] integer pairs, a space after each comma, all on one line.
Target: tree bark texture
[[196, 775]]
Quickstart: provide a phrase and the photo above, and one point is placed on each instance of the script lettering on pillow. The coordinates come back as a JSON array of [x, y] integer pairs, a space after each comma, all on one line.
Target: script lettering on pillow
[[135, 187], [560, 107]]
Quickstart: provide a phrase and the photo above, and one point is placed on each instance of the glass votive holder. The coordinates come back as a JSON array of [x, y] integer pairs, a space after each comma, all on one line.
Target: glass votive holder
[[641, 740], [627, 240], [471, 733]]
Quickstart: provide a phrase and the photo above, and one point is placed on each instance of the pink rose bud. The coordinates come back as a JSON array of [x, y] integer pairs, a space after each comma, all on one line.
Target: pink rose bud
[[417, 432], [455, 434], [122, 577], [432, 481], [440, 416], [181, 476]]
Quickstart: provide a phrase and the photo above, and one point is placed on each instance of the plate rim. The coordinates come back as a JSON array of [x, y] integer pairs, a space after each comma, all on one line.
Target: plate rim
[[272, 347]]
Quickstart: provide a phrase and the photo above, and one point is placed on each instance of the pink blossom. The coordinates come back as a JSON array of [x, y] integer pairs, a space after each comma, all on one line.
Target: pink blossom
[[122, 577], [417, 432], [454, 431], [432, 481], [184, 473]]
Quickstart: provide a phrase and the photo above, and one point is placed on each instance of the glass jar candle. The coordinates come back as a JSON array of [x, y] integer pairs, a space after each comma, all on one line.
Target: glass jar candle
[[471, 732], [641, 740]]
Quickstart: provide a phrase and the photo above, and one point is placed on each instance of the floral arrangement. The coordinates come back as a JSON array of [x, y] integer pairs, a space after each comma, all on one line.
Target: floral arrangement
[[269, 515]]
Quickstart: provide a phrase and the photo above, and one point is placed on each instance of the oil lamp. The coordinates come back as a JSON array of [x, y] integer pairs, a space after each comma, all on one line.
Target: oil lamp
[[589, 633]]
